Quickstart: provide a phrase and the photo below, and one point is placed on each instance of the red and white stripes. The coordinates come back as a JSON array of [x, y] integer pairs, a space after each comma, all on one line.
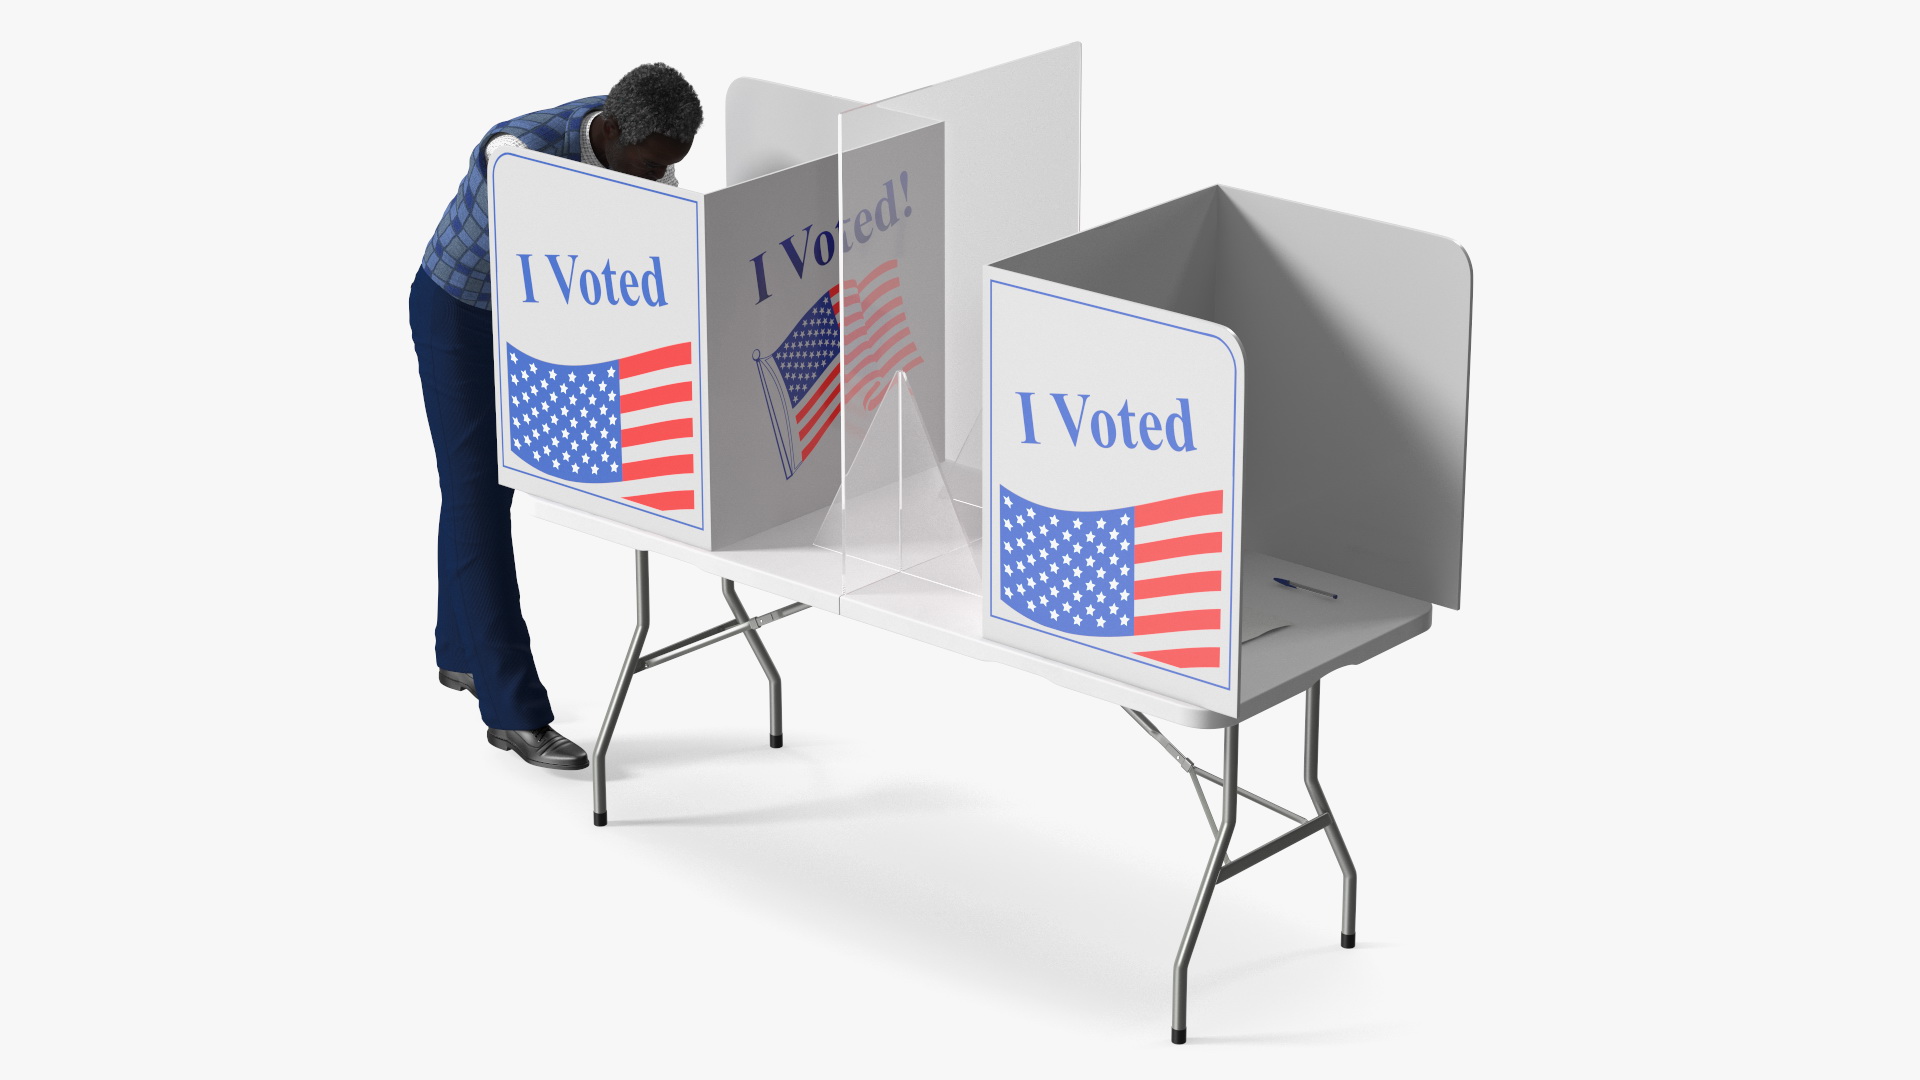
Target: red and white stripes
[[1179, 563], [657, 445], [877, 340]]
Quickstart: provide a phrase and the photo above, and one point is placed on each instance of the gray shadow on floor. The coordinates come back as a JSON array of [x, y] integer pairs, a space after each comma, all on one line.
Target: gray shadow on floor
[[1351, 1034], [971, 892], [1257, 967], [897, 800], [1280, 977], [630, 757]]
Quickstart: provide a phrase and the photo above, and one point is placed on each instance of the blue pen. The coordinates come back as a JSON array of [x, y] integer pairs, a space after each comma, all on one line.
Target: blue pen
[[1309, 588]]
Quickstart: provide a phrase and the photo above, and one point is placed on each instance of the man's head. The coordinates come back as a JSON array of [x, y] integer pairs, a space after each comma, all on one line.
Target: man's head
[[652, 116]]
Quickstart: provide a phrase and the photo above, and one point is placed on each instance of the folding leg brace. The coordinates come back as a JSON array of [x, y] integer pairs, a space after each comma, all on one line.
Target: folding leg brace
[[1219, 868], [634, 663]]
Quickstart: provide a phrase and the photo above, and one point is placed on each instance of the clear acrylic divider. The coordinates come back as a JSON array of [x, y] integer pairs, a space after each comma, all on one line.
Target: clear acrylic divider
[[892, 264], [895, 514], [935, 184]]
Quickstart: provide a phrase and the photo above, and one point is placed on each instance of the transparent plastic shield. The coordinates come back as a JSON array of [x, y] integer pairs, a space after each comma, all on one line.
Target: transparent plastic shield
[[1012, 136], [895, 514], [934, 184], [892, 266]]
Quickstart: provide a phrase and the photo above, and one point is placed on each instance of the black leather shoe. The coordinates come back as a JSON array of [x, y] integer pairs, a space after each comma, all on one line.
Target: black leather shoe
[[458, 680], [544, 747]]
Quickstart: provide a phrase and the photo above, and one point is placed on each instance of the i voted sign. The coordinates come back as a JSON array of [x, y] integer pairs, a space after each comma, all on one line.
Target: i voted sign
[[649, 287], [597, 299], [1175, 433], [1112, 473]]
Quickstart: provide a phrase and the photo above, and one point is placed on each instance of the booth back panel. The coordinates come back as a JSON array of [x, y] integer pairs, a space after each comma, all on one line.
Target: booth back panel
[[1163, 256], [599, 341], [1356, 333], [771, 127], [1114, 472]]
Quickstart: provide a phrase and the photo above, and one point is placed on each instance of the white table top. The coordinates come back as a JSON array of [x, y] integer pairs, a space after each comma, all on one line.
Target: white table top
[[1321, 634]]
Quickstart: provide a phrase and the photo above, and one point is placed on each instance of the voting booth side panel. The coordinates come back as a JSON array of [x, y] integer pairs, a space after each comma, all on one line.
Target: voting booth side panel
[[600, 352], [1360, 333], [1113, 487], [773, 304]]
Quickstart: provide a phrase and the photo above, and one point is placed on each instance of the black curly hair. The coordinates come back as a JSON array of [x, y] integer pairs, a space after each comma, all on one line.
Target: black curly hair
[[654, 98]]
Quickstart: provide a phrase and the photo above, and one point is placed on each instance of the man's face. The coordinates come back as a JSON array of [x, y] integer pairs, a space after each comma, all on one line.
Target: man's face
[[647, 159]]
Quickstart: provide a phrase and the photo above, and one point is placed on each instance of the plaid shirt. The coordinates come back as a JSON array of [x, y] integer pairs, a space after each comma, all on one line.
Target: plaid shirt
[[456, 257]]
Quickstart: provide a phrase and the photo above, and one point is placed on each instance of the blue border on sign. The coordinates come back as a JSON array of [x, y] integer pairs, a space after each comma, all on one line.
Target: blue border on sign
[[699, 334], [1233, 563]]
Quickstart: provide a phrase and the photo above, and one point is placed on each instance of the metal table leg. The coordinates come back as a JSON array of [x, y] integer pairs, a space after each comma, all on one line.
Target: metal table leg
[[1352, 883], [1217, 858], [774, 737], [634, 662], [629, 667], [1220, 868]]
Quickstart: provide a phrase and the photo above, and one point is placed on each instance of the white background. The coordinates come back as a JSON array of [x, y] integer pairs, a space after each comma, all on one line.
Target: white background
[[1641, 808]]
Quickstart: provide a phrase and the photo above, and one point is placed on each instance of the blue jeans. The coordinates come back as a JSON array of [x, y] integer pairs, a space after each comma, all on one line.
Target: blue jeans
[[480, 629]]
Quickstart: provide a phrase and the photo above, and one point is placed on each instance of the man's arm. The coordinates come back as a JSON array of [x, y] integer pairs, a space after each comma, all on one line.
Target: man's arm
[[502, 142]]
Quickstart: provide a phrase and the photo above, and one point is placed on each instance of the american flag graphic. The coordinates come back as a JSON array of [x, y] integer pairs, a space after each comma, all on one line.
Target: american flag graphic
[[1150, 574], [627, 422], [879, 341], [801, 381]]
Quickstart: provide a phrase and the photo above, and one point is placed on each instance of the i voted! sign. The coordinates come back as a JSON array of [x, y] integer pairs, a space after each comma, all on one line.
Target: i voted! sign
[[1112, 470]]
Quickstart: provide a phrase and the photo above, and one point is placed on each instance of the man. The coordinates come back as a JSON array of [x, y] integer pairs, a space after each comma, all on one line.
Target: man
[[643, 127]]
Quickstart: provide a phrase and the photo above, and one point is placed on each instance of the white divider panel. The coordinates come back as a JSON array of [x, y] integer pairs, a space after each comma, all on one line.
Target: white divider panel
[[771, 126], [1360, 335], [1114, 474], [600, 343], [772, 285]]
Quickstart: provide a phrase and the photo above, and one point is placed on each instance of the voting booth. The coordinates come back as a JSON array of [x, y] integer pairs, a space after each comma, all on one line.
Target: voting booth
[[1188, 462], [1191, 405]]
